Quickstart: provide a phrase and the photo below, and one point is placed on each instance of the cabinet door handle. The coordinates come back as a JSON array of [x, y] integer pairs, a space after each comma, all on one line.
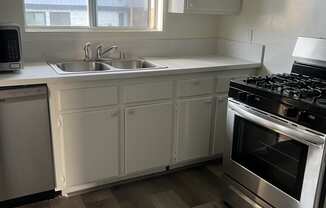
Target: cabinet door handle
[[115, 114], [131, 112]]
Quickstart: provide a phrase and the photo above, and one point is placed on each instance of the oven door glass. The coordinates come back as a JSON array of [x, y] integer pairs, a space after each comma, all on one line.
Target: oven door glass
[[274, 157]]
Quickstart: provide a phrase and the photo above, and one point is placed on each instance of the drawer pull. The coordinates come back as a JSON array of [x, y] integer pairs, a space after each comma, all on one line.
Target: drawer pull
[[196, 83]]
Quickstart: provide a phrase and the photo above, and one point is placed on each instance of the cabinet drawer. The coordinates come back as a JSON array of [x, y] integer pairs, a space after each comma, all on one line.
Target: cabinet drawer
[[223, 83], [195, 87], [147, 92], [88, 97]]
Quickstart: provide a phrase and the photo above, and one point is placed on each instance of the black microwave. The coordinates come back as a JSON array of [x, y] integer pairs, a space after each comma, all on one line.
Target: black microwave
[[10, 48]]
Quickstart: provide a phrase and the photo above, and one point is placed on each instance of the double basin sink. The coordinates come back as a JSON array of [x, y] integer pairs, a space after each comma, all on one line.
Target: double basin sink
[[104, 66]]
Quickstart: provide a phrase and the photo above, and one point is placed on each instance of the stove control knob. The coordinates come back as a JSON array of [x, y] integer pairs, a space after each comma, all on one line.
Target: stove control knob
[[291, 112], [306, 117], [251, 98], [242, 96]]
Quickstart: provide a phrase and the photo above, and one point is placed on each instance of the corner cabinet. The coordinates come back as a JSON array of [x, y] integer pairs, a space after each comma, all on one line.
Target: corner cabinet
[[218, 7]]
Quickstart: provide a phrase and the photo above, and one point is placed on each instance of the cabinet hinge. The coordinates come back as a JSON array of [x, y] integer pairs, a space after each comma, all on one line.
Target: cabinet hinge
[[64, 180], [60, 122]]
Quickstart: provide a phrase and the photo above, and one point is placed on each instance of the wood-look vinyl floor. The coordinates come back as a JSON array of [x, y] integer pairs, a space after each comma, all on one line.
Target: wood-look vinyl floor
[[199, 187]]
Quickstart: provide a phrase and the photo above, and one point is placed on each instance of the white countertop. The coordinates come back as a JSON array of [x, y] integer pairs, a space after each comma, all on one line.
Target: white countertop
[[41, 73]]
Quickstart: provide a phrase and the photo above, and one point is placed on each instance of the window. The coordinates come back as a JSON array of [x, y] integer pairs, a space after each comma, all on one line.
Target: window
[[58, 12], [36, 18], [94, 14], [60, 18]]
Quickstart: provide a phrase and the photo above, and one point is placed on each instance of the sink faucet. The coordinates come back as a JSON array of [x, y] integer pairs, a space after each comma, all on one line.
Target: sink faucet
[[87, 52], [101, 53]]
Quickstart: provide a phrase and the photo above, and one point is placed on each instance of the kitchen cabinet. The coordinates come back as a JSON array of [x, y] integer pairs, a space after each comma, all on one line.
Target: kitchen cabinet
[[147, 92], [148, 137], [221, 7], [91, 145], [194, 126], [105, 131], [194, 87], [88, 97], [220, 124]]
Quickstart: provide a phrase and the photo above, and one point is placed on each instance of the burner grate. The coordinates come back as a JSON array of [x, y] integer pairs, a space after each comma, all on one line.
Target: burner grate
[[293, 85]]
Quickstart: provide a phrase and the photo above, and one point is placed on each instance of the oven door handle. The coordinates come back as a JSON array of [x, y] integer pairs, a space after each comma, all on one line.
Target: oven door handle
[[278, 125]]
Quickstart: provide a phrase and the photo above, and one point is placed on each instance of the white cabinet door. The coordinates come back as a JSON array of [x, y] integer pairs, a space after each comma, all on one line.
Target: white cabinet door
[[148, 137], [91, 145], [194, 127], [213, 6], [205, 6], [220, 124]]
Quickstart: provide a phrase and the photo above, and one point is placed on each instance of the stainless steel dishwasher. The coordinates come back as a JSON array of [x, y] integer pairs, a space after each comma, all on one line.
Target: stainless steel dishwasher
[[26, 162]]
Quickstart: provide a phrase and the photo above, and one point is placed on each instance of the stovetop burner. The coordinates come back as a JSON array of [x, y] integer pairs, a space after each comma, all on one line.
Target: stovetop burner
[[293, 85]]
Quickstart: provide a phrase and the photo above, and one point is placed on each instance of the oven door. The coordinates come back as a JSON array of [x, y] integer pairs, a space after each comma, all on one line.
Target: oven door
[[278, 161]]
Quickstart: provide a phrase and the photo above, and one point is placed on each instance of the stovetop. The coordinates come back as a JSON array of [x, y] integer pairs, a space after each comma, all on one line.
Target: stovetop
[[295, 86], [295, 97]]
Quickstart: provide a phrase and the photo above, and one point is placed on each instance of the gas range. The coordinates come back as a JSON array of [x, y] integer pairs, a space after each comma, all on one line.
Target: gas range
[[275, 147], [297, 97]]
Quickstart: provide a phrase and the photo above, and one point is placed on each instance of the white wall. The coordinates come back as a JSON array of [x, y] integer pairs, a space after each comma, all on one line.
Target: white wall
[[183, 35], [277, 24]]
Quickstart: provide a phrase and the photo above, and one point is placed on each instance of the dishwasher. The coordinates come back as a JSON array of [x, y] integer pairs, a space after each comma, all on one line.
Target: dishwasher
[[26, 159]]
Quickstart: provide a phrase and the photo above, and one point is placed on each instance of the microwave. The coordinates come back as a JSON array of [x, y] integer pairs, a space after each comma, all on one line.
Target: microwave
[[10, 48]]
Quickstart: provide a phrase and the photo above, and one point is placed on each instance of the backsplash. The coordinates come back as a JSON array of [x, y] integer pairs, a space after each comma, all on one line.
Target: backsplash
[[51, 50], [244, 50]]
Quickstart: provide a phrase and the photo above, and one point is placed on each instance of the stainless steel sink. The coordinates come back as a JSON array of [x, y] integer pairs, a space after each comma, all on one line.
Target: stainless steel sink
[[135, 64], [103, 66], [80, 66]]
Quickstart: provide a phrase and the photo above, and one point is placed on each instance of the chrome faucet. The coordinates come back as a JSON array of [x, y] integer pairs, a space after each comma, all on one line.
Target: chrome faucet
[[101, 53], [87, 52]]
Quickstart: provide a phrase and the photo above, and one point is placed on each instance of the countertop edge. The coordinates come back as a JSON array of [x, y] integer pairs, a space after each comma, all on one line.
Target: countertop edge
[[49, 76]]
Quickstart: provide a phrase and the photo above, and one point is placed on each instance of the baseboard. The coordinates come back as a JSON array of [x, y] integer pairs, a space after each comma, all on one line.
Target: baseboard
[[142, 176]]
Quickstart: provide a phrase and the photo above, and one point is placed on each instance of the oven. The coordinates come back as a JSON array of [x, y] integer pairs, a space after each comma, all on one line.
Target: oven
[[278, 162]]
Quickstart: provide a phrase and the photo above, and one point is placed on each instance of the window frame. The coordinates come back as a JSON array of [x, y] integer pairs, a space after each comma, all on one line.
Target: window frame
[[92, 27], [34, 12], [56, 12]]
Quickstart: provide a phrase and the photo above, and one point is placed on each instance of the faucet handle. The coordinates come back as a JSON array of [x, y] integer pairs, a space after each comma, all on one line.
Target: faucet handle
[[87, 51], [99, 50], [100, 46], [87, 44]]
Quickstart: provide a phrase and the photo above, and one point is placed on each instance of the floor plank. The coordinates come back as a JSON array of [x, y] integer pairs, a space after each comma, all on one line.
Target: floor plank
[[211, 205], [100, 199], [168, 199], [42, 204], [199, 187], [72, 202]]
